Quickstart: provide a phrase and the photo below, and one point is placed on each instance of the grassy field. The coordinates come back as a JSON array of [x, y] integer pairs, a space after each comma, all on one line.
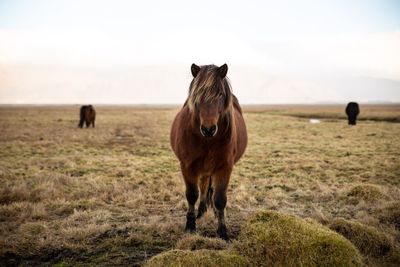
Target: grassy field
[[114, 195]]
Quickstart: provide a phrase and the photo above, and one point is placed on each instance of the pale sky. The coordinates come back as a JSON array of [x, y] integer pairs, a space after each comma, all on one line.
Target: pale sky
[[58, 51]]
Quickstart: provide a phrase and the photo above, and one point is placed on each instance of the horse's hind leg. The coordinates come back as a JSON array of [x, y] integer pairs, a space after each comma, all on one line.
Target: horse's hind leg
[[192, 194], [93, 123], [204, 187], [220, 185]]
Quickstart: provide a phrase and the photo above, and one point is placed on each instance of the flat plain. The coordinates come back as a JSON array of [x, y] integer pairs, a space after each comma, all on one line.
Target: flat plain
[[113, 195]]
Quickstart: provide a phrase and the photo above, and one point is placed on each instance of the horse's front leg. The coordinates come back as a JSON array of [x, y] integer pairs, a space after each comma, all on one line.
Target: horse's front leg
[[204, 192], [220, 181], [192, 194]]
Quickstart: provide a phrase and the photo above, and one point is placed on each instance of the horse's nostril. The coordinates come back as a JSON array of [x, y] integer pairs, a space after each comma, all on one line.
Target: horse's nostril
[[208, 132]]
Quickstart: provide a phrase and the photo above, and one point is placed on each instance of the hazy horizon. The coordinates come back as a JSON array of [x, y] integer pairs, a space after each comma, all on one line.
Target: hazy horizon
[[121, 52]]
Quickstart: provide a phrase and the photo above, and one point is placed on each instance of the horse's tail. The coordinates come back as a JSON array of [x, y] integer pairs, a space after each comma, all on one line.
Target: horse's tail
[[82, 116]]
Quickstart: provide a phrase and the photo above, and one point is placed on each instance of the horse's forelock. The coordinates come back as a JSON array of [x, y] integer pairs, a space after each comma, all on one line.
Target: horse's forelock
[[208, 86]]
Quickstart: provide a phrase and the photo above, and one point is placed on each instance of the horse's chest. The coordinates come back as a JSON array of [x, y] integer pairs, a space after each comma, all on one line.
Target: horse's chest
[[210, 161]]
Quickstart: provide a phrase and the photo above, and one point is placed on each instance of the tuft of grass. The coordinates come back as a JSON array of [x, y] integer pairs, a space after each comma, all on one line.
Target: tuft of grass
[[62, 264], [366, 192], [273, 238], [367, 239], [390, 214], [196, 242], [197, 258]]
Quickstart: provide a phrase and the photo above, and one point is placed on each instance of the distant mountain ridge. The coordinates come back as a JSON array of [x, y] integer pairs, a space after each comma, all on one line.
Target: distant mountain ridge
[[168, 84]]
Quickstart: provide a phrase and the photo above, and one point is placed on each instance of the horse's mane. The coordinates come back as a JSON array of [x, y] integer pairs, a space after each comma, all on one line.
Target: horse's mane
[[208, 86], [236, 104]]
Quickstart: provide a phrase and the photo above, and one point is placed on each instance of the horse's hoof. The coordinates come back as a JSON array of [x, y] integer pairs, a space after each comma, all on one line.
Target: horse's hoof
[[223, 233], [190, 231], [190, 224], [190, 228], [201, 210]]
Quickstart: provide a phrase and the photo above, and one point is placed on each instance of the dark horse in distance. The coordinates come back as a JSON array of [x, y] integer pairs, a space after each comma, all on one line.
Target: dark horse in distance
[[352, 111], [208, 136], [87, 115]]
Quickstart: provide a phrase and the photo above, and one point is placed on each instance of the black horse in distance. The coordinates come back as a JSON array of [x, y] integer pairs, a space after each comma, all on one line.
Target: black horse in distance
[[352, 111]]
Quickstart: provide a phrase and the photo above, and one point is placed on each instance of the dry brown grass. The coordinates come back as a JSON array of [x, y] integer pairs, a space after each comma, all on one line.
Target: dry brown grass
[[114, 194], [332, 112], [196, 242], [390, 214]]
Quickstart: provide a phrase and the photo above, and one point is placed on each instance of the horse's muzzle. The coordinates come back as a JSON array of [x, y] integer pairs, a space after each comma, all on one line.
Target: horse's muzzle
[[208, 132]]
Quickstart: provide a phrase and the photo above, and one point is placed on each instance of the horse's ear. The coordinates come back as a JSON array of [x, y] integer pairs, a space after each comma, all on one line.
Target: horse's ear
[[223, 70], [195, 70]]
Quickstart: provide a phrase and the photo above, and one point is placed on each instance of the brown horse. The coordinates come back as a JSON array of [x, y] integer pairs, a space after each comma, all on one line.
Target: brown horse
[[208, 136], [87, 115]]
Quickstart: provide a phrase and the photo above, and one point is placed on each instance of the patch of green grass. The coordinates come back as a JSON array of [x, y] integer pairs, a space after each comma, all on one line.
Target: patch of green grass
[[367, 239], [63, 264], [197, 258], [272, 238]]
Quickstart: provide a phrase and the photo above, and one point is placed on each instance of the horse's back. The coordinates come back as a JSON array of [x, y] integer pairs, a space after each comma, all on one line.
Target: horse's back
[[352, 108]]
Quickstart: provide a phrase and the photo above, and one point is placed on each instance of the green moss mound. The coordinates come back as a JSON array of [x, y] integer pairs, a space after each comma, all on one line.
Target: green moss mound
[[196, 242], [367, 239], [366, 192], [197, 258], [271, 238]]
